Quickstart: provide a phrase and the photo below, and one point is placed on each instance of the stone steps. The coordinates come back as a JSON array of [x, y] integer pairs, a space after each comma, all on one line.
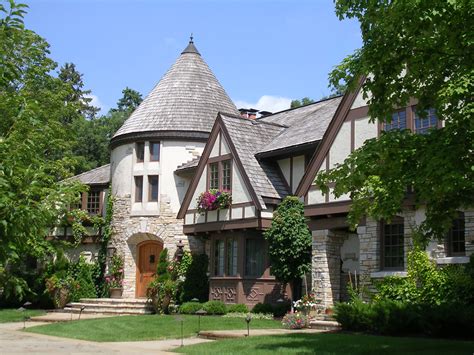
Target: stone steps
[[328, 325], [116, 306]]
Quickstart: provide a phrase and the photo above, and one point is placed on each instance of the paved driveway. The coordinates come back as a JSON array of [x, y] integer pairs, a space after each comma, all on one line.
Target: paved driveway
[[14, 341]]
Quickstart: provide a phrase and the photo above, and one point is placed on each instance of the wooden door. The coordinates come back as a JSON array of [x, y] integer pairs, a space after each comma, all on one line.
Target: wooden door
[[148, 255]]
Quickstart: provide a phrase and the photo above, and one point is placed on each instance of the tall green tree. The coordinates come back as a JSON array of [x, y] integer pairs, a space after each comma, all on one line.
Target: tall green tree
[[35, 145], [289, 241], [129, 101], [422, 50], [69, 75]]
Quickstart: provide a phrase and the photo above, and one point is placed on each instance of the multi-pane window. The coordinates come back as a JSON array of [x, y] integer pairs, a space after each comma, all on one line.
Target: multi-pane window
[[219, 257], [138, 188], [153, 188], [140, 152], [455, 241], [232, 246], [254, 257], [393, 250], [214, 175], [93, 202], [226, 175], [154, 151], [422, 125], [220, 175], [399, 121]]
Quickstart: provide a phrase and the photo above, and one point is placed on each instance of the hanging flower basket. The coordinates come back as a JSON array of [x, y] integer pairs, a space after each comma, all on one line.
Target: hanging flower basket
[[213, 200]]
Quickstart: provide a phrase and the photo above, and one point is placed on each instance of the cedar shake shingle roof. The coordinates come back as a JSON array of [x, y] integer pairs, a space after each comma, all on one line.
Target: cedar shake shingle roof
[[248, 137], [188, 165], [187, 99], [306, 124], [97, 176]]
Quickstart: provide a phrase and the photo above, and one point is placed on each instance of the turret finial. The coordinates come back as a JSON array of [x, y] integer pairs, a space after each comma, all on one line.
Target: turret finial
[[191, 38]]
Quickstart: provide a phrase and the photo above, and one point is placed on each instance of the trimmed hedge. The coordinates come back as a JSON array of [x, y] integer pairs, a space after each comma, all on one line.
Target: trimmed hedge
[[237, 308], [215, 307], [278, 310], [396, 318], [190, 307], [262, 308]]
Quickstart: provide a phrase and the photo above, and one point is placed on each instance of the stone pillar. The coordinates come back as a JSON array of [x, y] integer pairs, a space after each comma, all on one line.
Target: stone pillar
[[369, 243], [326, 267]]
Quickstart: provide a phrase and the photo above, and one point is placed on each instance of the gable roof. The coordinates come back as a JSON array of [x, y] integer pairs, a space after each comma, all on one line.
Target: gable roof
[[244, 137], [307, 124], [186, 99], [248, 137], [328, 139], [97, 176], [188, 165]]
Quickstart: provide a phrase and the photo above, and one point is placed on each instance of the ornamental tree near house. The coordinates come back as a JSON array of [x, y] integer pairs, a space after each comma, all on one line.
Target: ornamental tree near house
[[289, 242], [422, 50]]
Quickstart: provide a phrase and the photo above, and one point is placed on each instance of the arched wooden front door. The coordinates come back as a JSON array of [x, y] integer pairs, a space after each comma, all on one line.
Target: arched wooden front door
[[148, 254]]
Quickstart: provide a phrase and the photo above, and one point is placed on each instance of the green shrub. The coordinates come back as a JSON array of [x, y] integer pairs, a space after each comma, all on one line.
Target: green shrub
[[196, 284], [215, 307], [82, 273], [281, 309], [262, 308], [237, 308], [190, 307]]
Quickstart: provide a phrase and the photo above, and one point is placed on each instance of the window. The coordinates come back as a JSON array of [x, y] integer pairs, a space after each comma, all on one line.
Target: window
[[399, 121], [140, 152], [423, 125], [214, 176], [93, 202], [393, 250], [154, 151], [254, 257], [138, 188], [455, 241], [219, 258], [226, 175], [153, 188], [220, 175], [231, 257]]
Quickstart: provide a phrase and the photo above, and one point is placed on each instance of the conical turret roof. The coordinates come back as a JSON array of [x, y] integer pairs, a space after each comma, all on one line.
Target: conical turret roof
[[184, 103]]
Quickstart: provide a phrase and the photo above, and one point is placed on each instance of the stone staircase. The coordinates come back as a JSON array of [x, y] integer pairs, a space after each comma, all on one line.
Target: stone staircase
[[112, 306]]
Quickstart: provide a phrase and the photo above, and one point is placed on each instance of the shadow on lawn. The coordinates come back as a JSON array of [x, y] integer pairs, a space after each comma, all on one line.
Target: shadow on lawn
[[361, 344]]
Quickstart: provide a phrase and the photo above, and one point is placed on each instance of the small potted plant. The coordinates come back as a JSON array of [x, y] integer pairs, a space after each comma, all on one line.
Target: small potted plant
[[59, 287], [114, 279]]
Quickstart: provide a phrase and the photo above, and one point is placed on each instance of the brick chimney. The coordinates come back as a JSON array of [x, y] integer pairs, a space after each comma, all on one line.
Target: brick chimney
[[252, 113], [243, 112]]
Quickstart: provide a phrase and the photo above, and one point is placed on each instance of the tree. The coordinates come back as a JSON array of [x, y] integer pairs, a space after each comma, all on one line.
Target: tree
[[304, 101], [69, 75], [289, 241], [35, 144], [422, 50], [129, 101]]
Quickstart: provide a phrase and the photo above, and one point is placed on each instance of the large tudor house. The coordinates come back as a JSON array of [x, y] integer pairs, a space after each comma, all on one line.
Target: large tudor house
[[188, 137]]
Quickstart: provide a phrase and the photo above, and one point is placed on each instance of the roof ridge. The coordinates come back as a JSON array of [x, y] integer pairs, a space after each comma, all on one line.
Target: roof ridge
[[254, 122], [299, 107]]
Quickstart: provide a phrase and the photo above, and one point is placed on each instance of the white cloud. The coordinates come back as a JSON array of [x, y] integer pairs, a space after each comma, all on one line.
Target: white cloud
[[266, 103], [97, 103]]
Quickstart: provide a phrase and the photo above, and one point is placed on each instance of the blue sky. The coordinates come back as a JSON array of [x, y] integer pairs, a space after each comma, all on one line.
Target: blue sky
[[264, 52]]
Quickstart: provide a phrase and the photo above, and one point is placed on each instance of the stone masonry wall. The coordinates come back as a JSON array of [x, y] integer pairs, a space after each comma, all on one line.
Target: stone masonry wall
[[128, 231]]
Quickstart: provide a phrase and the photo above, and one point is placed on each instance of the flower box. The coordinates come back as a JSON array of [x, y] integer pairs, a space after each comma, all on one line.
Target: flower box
[[213, 200]]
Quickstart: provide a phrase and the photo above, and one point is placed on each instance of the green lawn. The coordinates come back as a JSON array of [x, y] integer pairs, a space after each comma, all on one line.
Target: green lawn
[[147, 327], [331, 344], [13, 315]]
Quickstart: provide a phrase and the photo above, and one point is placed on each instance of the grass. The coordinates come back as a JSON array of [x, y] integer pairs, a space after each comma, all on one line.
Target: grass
[[13, 315], [338, 343], [146, 327]]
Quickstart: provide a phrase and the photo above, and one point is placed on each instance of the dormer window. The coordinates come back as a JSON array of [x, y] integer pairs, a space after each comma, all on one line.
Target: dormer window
[[140, 152], [220, 175]]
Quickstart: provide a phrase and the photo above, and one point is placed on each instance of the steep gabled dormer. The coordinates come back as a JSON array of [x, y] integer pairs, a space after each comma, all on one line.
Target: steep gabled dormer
[[228, 164]]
